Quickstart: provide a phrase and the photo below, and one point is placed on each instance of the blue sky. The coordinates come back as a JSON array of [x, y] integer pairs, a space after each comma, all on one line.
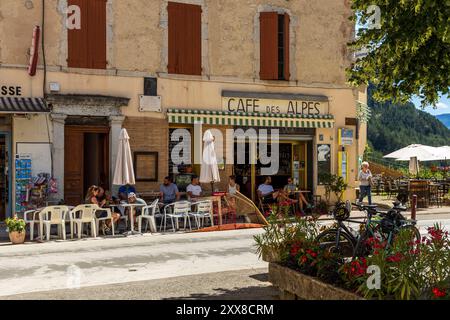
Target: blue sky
[[443, 106]]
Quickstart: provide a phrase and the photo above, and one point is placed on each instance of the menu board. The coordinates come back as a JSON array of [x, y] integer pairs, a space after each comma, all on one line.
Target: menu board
[[323, 161]]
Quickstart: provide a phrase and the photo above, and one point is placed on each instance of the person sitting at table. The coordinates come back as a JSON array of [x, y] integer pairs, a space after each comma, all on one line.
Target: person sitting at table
[[133, 199], [194, 190], [169, 191], [292, 190], [268, 195], [125, 190], [93, 195], [266, 192], [233, 187]]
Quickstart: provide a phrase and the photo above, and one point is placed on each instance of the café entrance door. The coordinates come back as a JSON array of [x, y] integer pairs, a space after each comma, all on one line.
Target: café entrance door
[[294, 160], [86, 161]]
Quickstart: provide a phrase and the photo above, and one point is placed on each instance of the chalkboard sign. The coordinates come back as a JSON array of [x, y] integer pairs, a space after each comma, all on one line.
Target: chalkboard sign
[[323, 161]]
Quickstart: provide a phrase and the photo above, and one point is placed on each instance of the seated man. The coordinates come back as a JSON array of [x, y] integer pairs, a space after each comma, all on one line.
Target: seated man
[[169, 191], [125, 190], [266, 191], [194, 190], [132, 199]]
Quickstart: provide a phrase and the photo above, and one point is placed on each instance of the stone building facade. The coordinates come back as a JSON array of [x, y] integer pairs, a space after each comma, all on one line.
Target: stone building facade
[[136, 39]]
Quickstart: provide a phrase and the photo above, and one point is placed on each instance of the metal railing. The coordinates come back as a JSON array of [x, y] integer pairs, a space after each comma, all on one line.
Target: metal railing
[[390, 164]]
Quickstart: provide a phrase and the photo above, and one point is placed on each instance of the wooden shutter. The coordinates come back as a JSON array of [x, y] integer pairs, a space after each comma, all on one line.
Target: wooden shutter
[[269, 45], [87, 46], [78, 39], [97, 34], [287, 23], [185, 42]]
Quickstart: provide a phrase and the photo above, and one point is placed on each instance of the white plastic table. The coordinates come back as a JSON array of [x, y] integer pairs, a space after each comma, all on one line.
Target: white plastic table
[[132, 207]]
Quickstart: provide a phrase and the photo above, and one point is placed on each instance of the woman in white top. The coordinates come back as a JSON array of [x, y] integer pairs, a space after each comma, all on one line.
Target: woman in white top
[[365, 183], [233, 187]]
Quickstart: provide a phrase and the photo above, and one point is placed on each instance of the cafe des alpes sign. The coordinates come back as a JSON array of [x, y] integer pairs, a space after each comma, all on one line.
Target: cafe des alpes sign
[[274, 103]]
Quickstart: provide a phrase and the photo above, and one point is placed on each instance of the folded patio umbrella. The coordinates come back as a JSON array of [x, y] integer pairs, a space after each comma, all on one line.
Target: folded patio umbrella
[[124, 172], [209, 172]]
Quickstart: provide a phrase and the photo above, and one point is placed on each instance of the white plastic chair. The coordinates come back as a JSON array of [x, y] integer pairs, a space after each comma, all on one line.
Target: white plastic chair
[[31, 217], [55, 215], [81, 215], [108, 217], [203, 210], [148, 213], [175, 211]]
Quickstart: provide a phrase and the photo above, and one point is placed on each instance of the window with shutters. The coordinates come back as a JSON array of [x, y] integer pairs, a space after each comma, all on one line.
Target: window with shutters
[[185, 38], [87, 45], [274, 46]]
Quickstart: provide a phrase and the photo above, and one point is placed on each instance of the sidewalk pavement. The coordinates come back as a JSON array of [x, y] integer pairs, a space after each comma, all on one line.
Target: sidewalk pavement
[[383, 203]]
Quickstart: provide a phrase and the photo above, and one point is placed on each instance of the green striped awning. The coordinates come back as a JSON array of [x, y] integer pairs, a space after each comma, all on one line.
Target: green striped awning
[[225, 118]]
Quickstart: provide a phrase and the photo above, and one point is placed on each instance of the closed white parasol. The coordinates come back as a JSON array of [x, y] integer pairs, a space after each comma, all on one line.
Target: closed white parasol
[[209, 172], [124, 172]]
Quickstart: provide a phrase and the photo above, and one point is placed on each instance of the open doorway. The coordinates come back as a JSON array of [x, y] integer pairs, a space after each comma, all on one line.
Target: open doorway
[[86, 161]]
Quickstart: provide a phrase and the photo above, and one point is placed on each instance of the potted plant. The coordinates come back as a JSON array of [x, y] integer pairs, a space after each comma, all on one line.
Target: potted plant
[[16, 229]]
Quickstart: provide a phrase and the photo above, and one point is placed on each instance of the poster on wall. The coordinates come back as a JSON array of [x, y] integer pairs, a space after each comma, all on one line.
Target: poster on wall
[[323, 161]]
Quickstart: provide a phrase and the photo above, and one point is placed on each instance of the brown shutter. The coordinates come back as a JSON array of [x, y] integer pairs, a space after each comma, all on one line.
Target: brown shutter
[[195, 64], [185, 48], [77, 39], [269, 45], [87, 46], [287, 22], [97, 34]]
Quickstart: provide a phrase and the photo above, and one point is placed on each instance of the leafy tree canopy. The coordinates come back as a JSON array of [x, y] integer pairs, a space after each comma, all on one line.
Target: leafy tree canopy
[[408, 49]]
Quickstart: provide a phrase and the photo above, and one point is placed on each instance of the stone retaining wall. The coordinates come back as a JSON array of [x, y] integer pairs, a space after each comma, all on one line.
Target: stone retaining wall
[[297, 286]]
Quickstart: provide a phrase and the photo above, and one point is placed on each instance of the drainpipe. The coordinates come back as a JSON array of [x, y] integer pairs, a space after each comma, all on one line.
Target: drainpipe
[[44, 84]]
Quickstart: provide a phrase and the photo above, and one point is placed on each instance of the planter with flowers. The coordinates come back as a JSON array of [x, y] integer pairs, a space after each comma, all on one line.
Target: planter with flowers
[[408, 270], [16, 229]]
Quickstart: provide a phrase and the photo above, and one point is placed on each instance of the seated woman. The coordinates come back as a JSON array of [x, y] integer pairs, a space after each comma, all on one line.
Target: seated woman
[[96, 195], [290, 188], [268, 194]]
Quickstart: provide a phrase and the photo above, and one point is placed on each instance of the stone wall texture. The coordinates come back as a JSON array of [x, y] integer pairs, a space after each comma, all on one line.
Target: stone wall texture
[[137, 34]]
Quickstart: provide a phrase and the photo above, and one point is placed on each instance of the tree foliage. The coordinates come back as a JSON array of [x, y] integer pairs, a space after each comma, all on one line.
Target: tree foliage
[[409, 54]]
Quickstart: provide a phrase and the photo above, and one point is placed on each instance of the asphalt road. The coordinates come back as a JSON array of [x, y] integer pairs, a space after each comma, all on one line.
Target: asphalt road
[[216, 265], [65, 265], [229, 285]]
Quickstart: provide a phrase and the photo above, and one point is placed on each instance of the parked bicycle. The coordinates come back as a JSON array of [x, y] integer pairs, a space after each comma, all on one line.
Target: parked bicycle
[[345, 243]]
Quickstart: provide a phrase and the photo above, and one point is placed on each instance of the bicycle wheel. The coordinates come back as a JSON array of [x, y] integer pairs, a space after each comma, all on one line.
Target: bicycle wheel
[[343, 247], [414, 234]]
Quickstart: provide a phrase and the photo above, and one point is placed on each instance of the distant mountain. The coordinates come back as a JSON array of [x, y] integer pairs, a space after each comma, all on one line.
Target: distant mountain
[[445, 119], [394, 126]]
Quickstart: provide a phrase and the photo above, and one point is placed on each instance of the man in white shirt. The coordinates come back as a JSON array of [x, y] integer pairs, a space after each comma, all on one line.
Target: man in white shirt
[[194, 190], [266, 191]]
